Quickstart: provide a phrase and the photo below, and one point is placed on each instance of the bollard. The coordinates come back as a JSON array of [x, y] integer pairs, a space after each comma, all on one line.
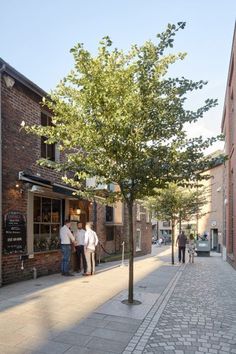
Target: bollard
[[34, 273]]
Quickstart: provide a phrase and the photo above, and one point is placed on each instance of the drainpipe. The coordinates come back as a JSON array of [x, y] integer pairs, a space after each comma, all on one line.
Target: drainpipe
[[1, 238]]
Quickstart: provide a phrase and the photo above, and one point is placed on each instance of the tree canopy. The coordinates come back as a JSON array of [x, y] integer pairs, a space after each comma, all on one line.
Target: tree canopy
[[120, 118]]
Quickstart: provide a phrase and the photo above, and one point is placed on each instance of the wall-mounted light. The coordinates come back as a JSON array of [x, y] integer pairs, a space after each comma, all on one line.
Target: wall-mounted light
[[19, 187], [9, 81]]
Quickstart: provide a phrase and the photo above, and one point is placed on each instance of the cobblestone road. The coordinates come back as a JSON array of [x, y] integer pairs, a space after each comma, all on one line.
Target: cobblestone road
[[200, 316]]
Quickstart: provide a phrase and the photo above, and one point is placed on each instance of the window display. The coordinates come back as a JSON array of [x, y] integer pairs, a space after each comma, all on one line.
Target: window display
[[47, 220]]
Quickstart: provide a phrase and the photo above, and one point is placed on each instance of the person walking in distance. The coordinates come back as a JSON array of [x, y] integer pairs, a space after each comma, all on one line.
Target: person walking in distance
[[181, 241], [79, 245], [191, 248], [90, 243], [67, 239]]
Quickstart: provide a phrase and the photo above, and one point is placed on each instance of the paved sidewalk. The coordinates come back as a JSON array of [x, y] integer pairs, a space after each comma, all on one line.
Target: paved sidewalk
[[185, 309], [55, 314]]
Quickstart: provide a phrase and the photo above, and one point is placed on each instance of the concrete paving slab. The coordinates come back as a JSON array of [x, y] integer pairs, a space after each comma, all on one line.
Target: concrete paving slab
[[120, 319], [72, 338], [113, 335], [115, 306], [105, 345], [123, 327], [80, 350], [46, 346]]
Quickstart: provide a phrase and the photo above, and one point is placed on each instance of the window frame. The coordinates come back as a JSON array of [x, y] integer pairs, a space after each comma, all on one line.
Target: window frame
[[138, 242], [56, 239], [47, 151]]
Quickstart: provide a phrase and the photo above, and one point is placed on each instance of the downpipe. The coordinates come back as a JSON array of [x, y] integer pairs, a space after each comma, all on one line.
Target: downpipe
[[1, 238]]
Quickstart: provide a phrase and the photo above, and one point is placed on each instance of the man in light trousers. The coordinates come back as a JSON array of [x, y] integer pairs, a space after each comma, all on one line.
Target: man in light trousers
[[90, 243]]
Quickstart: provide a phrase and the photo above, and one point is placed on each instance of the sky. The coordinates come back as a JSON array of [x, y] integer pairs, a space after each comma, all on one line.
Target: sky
[[36, 37]]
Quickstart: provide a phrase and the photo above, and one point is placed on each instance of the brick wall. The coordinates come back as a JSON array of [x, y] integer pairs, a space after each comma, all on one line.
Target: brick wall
[[229, 130], [45, 263]]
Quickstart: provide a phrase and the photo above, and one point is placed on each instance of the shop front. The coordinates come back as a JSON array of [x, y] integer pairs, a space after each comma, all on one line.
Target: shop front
[[31, 241]]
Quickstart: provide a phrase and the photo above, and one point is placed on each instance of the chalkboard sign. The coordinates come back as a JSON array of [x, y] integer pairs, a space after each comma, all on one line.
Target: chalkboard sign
[[14, 240]]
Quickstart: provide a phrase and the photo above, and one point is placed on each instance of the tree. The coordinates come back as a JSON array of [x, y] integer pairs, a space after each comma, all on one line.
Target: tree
[[176, 204], [119, 118]]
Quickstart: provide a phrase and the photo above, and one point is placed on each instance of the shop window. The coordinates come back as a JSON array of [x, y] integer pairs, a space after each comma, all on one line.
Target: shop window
[[48, 151], [47, 220], [138, 240], [110, 233], [109, 213]]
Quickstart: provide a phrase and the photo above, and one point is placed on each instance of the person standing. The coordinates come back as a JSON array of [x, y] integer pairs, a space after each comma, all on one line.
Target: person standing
[[79, 245], [181, 241], [90, 243], [191, 248], [67, 239]]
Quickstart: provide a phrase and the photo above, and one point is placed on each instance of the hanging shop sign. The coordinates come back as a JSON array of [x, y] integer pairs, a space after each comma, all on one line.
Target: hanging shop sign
[[14, 240]]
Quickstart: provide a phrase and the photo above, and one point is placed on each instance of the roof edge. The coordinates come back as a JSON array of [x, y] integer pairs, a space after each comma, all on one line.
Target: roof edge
[[8, 69]]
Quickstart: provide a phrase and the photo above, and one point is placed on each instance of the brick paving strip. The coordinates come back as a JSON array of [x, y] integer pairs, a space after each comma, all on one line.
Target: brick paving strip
[[141, 337]]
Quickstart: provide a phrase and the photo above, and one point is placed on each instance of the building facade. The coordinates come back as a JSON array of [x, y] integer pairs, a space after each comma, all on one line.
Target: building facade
[[229, 131], [34, 201], [211, 221]]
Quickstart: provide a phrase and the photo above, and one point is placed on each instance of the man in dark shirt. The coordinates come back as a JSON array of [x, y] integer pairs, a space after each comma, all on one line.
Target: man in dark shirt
[[181, 241]]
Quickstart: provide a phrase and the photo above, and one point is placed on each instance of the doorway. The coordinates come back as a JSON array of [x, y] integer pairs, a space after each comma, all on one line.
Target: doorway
[[214, 239]]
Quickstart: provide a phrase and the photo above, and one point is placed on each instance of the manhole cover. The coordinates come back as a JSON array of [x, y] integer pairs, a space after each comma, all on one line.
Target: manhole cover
[[37, 284], [142, 286]]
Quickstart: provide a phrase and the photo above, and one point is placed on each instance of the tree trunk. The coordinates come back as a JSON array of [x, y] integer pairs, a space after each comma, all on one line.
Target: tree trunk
[[131, 253], [180, 224], [173, 242]]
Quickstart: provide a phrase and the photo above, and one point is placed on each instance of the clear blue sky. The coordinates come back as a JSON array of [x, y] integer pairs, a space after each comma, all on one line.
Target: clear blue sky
[[36, 36]]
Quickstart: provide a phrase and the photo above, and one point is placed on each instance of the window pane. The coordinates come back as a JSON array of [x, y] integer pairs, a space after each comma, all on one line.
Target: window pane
[[44, 237], [109, 213], [51, 152], [43, 148], [54, 241], [36, 237], [46, 210], [56, 210], [37, 209], [44, 120]]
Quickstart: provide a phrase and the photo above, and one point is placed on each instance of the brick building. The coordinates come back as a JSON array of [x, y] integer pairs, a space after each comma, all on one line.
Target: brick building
[[229, 130], [33, 200]]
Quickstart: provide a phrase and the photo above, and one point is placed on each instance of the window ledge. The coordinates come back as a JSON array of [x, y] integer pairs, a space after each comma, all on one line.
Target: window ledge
[[44, 252]]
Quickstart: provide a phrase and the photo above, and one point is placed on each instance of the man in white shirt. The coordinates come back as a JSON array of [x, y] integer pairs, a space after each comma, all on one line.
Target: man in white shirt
[[67, 239], [90, 243], [79, 245]]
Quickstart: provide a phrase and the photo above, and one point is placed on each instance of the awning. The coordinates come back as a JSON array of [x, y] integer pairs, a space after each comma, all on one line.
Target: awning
[[54, 187], [68, 191]]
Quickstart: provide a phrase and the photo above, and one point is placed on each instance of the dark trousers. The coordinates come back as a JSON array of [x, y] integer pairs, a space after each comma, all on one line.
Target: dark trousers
[[80, 254], [182, 254]]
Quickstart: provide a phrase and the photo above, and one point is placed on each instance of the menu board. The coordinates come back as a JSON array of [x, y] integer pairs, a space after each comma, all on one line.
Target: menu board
[[14, 240]]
